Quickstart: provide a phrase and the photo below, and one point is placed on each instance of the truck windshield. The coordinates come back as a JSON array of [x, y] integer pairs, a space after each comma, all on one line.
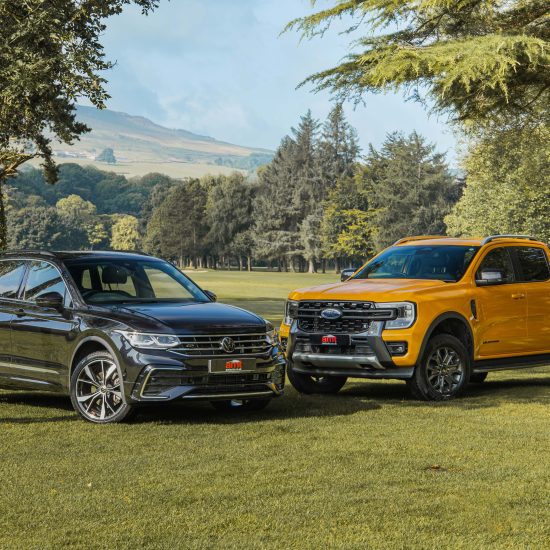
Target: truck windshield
[[444, 263], [114, 280]]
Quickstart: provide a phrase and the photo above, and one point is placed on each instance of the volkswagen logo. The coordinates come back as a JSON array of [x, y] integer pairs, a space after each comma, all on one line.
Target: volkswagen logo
[[227, 344], [331, 313]]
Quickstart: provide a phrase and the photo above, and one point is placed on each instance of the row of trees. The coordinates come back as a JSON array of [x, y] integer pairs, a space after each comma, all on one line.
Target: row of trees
[[315, 202]]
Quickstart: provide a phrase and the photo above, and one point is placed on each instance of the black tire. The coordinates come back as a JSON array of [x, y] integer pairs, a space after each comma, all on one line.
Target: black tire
[[96, 390], [478, 377], [443, 371], [305, 383], [241, 404]]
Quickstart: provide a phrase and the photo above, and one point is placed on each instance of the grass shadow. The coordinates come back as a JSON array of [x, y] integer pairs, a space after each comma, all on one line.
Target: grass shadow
[[293, 406]]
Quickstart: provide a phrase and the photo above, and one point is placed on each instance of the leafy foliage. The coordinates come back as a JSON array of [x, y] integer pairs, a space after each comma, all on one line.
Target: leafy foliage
[[125, 234], [485, 61], [50, 55], [508, 186], [412, 188]]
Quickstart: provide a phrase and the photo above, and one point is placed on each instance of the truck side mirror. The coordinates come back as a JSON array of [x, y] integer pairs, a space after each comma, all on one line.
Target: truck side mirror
[[347, 273], [490, 277]]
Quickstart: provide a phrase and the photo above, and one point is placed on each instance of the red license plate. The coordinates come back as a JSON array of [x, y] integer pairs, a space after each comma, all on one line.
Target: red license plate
[[329, 339], [235, 364]]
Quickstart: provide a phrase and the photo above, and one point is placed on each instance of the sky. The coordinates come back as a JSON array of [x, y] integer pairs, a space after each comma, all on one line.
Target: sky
[[222, 68]]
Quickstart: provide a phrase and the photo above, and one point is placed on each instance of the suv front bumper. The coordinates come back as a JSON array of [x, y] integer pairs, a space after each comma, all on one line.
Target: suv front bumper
[[374, 362]]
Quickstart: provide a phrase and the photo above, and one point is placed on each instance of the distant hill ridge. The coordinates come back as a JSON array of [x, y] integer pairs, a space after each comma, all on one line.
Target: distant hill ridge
[[140, 146]]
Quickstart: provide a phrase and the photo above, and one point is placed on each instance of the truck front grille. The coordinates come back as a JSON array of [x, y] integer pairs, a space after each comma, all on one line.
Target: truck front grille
[[356, 317]]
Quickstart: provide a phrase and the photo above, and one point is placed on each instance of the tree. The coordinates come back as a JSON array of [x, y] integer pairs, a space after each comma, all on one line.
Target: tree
[[507, 186], [43, 227], [339, 147], [107, 156], [125, 234], [483, 61], [50, 56], [74, 209], [177, 227], [228, 211], [413, 189], [349, 197]]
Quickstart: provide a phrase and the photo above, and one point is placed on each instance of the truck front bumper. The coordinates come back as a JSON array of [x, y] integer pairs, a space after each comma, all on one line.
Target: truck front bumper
[[374, 360]]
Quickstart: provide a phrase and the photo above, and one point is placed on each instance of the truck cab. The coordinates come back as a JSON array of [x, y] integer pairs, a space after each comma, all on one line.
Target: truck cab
[[437, 312]]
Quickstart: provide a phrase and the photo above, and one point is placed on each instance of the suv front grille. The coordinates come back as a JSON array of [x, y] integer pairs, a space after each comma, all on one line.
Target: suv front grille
[[356, 317], [210, 345]]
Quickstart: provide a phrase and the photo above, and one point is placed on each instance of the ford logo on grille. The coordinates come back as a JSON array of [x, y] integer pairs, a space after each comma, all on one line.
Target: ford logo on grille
[[331, 313]]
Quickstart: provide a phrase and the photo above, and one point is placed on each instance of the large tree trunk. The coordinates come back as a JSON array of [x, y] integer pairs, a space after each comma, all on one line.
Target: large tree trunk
[[323, 266], [240, 263], [337, 265], [249, 263], [311, 268]]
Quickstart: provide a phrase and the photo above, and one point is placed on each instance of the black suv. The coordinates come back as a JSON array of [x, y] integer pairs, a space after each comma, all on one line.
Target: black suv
[[114, 330]]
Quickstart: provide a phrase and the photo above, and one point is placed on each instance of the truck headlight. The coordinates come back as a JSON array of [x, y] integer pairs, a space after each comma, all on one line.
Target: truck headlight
[[149, 341], [291, 311], [406, 314]]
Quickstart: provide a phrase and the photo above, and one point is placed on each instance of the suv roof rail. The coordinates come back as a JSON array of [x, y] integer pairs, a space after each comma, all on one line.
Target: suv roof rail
[[29, 251], [419, 238], [491, 238]]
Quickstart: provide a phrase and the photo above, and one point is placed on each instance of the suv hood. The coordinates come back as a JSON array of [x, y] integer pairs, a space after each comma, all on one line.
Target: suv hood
[[373, 290], [186, 318]]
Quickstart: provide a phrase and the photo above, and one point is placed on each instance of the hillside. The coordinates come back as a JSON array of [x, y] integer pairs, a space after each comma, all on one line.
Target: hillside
[[141, 146]]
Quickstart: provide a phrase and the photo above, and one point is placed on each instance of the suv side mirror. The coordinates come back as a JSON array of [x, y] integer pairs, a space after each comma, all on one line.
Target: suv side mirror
[[211, 295], [490, 277], [50, 300], [347, 273]]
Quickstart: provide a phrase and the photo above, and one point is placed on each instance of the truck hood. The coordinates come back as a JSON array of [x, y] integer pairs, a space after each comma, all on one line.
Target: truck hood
[[373, 290]]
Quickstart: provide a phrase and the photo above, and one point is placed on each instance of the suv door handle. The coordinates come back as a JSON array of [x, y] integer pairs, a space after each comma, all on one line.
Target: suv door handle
[[519, 296]]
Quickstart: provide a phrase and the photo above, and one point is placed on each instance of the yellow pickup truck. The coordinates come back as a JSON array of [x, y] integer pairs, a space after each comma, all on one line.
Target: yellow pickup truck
[[434, 311]]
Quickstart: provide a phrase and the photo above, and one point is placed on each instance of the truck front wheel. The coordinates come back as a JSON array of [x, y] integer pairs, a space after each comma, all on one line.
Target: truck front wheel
[[307, 383], [443, 371]]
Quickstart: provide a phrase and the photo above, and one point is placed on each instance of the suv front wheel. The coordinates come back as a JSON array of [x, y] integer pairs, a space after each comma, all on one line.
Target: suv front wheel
[[96, 390], [443, 371], [306, 383]]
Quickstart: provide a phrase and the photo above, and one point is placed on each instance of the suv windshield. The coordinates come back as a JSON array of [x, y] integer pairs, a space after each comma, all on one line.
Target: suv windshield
[[121, 280], [445, 263]]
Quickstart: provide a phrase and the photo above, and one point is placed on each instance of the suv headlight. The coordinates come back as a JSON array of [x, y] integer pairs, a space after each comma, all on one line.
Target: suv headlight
[[149, 341], [271, 333], [291, 311], [406, 314]]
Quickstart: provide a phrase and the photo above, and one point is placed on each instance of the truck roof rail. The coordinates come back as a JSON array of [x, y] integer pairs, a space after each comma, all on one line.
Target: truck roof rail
[[492, 238], [419, 238]]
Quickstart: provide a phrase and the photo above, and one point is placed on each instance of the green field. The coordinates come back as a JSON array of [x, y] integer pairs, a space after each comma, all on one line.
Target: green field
[[369, 468]]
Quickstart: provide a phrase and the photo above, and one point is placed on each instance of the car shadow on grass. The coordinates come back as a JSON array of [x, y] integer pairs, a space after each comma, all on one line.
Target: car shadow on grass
[[491, 393], [37, 400], [292, 406]]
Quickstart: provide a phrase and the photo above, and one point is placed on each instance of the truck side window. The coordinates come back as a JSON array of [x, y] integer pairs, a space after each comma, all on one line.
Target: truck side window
[[533, 262], [499, 260]]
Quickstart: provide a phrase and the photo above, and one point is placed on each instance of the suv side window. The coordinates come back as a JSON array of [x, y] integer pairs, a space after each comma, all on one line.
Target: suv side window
[[499, 259], [11, 274], [533, 264], [43, 277]]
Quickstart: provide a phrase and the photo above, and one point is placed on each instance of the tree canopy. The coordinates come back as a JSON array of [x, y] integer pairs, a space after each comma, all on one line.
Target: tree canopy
[[50, 56], [484, 61]]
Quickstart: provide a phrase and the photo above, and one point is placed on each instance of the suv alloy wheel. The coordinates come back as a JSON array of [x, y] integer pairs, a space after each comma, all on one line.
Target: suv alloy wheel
[[96, 390]]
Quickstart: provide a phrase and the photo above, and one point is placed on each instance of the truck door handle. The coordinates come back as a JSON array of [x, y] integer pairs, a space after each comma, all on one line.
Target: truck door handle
[[519, 296]]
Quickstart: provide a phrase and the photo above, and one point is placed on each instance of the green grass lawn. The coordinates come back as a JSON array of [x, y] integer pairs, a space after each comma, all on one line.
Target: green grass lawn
[[368, 468]]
